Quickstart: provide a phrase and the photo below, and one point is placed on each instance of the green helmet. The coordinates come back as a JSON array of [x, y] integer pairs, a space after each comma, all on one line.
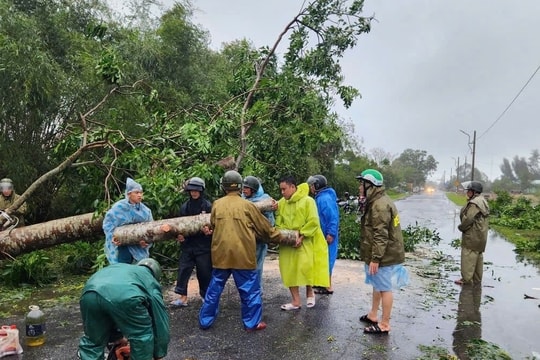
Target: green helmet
[[252, 182], [152, 265], [231, 181], [372, 176]]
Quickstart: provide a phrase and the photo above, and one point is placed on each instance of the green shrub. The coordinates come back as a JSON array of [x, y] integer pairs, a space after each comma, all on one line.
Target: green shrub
[[414, 235], [33, 268], [349, 237]]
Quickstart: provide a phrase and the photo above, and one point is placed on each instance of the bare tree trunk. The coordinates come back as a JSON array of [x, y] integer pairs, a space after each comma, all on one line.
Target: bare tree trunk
[[40, 236]]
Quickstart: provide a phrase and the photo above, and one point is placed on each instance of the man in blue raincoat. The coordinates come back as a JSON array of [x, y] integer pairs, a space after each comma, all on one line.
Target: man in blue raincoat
[[328, 211], [130, 210], [254, 192]]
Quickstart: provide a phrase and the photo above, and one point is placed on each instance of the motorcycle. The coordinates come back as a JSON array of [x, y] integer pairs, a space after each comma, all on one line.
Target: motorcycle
[[349, 205]]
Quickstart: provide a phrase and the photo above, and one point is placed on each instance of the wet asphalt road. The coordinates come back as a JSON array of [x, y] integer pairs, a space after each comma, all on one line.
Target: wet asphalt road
[[425, 313]]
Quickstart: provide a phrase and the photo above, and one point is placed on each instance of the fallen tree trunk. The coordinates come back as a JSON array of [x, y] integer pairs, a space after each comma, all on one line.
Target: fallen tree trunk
[[40, 236], [88, 227]]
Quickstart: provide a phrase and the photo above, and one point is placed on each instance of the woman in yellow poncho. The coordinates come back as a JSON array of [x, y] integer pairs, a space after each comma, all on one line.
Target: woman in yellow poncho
[[307, 264]]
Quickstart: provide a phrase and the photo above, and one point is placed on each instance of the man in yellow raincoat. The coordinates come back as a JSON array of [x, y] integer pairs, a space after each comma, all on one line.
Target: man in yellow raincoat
[[306, 265]]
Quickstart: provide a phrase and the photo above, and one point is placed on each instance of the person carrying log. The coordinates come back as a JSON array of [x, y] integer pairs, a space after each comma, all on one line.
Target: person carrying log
[[195, 250], [130, 210], [236, 224]]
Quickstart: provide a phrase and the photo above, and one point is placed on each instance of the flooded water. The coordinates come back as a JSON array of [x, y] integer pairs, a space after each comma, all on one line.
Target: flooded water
[[497, 311]]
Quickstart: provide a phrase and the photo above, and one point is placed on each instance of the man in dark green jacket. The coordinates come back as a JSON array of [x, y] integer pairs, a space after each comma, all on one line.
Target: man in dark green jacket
[[381, 248], [125, 298], [474, 228]]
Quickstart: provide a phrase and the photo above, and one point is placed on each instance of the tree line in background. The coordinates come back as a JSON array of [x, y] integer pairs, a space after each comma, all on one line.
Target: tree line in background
[[132, 95], [519, 175]]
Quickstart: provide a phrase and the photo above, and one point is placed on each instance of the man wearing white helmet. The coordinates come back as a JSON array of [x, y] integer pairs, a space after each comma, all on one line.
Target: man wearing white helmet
[[8, 197]]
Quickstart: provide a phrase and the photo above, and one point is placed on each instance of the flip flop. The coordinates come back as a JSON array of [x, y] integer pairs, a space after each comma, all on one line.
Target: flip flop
[[310, 301], [323, 291], [364, 318], [375, 329], [260, 326], [289, 307]]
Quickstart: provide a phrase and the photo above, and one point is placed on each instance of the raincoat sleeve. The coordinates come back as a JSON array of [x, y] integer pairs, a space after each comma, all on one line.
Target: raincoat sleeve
[[329, 218], [312, 224], [160, 323], [262, 227], [111, 221], [469, 217], [382, 218]]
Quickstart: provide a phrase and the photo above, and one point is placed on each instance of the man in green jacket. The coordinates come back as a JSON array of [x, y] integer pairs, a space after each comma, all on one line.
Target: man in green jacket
[[125, 300], [381, 248], [236, 224], [474, 228]]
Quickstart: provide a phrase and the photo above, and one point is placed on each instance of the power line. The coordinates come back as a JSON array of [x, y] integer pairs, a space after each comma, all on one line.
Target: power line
[[513, 100]]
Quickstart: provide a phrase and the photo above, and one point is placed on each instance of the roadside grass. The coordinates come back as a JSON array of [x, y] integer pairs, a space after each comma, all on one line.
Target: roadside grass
[[523, 228], [458, 199]]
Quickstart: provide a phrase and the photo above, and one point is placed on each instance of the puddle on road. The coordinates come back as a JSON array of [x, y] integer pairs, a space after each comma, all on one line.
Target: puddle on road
[[496, 312]]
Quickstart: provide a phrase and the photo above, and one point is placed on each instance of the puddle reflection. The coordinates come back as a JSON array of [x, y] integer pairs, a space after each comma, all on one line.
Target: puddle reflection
[[469, 319]]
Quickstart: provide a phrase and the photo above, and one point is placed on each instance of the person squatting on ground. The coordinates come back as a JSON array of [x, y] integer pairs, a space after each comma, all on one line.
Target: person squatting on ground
[[474, 228], [130, 210], [125, 300], [195, 251], [327, 208], [254, 192], [236, 223], [8, 197], [306, 265], [381, 248]]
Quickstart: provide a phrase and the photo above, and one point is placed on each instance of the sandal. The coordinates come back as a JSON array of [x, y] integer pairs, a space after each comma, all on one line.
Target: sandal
[[310, 301], [375, 329], [260, 326], [289, 307], [179, 303], [364, 318]]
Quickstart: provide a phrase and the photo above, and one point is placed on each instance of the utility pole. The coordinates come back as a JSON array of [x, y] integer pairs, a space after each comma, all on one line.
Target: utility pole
[[473, 153], [473, 150]]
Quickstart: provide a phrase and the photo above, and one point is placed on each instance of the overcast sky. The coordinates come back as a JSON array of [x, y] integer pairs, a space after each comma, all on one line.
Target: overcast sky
[[427, 70]]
